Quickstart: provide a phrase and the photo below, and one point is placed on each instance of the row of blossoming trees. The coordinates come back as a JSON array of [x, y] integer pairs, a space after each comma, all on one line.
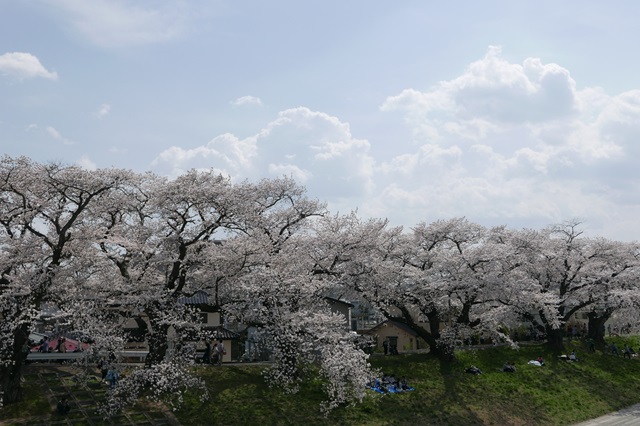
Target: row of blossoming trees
[[110, 244]]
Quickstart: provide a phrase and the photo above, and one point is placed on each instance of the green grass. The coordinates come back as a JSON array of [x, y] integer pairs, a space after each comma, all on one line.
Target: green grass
[[559, 393], [33, 402]]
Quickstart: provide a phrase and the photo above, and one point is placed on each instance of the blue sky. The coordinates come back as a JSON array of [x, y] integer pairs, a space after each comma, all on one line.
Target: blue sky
[[507, 112]]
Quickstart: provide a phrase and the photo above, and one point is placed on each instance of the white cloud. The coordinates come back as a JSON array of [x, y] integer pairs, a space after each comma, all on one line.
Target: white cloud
[[86, 163], [103, 111], [502, 143], [246, 100], [511, 142], [23, 65], [314, 147], [117, 23], [55, 134]]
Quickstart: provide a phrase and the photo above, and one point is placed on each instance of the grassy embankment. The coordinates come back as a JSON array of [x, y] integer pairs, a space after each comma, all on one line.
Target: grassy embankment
[[559, 393]]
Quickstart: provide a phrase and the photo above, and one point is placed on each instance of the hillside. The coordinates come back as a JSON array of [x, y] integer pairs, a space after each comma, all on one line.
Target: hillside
[[559, 393]]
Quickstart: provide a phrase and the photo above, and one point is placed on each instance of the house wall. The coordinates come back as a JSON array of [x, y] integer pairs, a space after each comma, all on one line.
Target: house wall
[[212, 318], [406, 341]]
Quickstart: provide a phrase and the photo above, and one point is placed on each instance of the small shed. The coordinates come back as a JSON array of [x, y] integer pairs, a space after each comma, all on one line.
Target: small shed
[[397, 335]]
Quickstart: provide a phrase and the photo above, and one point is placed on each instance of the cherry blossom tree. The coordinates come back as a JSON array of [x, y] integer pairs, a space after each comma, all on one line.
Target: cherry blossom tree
[[282, 292], [567, 273], [111, 245], [441, 280], [154, 248], [46, 212], [247, 246], [454, 272]]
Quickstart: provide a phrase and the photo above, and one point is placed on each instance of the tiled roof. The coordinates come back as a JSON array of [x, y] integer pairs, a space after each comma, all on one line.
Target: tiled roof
[[220, 332], [198, 298]]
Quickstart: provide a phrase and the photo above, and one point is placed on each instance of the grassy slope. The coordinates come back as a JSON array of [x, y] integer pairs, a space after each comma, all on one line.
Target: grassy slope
[[558, 393]]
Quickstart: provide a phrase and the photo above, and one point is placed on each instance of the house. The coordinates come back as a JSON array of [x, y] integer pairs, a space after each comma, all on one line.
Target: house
[[209, 318], [341, 307], [211, 323], [397, 335]]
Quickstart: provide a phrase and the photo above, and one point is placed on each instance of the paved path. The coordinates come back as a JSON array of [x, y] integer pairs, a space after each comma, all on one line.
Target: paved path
[[627, 417]]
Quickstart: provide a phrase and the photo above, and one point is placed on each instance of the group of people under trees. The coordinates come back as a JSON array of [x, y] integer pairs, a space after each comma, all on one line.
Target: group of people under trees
[[627, 350], [108, 371], [46, 347], [390, 384], [213, 353]]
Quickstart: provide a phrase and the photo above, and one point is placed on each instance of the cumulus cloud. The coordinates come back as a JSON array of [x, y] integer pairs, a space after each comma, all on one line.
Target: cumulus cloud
[[246, 100], [55, 134], [118, 23], [501, 143], [313, 147], [507, 142], [23, 65]]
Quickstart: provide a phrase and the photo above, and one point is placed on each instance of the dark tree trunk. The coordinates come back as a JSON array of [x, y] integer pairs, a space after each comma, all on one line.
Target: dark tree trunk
[[158, 344], [555, 339], [157, 339], [431, 337], [596, 326], [10, 384], [11, 375], [442, 351]]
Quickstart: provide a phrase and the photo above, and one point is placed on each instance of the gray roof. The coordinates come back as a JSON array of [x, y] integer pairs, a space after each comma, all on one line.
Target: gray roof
[[198, 298], [222, 333]]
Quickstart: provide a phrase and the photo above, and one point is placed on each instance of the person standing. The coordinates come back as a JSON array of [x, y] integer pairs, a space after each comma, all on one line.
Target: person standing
[[206, 357], [385, 346], [112, 377], [45, 345], [103, 365], [221, 351]]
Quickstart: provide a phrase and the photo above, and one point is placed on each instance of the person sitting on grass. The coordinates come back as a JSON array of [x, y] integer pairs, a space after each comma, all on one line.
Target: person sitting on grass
[[572, 356], [628, 352], [473, 370], [508, 367], [404, 385], [63, 406], [614, 349]]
